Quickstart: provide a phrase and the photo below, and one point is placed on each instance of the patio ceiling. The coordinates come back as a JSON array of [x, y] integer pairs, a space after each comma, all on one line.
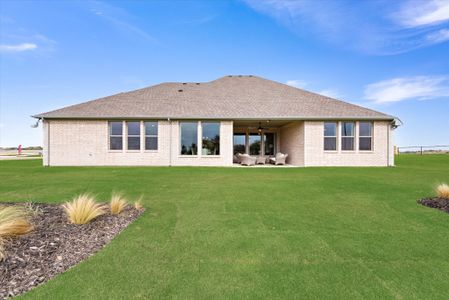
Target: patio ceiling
[[263, 123]]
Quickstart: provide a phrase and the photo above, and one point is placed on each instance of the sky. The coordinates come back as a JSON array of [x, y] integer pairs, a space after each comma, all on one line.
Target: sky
[[391, 56]]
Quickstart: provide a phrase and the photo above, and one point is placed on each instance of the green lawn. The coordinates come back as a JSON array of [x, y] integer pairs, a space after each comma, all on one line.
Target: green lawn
[[256, 233]]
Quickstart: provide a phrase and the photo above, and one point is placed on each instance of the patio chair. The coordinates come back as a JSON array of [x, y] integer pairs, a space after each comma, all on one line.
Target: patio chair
[[236, 158], [247, 160], [279, 159], [260, 160]]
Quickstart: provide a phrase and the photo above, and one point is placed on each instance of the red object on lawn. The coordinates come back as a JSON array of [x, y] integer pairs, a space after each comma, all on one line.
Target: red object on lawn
[[19, 150]]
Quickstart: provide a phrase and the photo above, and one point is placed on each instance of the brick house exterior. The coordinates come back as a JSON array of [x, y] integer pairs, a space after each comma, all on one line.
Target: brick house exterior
[[205, 124]]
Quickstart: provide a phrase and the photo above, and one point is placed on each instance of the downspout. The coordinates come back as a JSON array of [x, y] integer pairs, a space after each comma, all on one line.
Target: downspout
[[48, 143], [170, 151], [388, 144]]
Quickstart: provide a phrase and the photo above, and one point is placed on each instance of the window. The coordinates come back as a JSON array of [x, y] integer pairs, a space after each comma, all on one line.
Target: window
[[150, 135], [211, 138], [239, 143], [116, 135], [365, 136], [133, 135], [269, 143], [330, 136], [189, 138], [347, 135], [254, 143]]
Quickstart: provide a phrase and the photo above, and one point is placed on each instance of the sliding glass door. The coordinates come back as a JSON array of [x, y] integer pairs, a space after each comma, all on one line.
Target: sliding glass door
[[255, 143], [239, 143]]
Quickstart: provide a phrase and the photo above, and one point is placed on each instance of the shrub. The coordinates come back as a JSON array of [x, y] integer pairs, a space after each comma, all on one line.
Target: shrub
[[117, 204], [14, 221], [83, 209], [443, 191], [138, 204]]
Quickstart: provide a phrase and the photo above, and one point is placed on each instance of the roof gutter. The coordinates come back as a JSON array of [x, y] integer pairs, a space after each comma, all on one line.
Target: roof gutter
[[271, 118]]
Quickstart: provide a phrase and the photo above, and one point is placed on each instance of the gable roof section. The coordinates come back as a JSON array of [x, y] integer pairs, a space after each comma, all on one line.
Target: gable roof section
[[229, 97]]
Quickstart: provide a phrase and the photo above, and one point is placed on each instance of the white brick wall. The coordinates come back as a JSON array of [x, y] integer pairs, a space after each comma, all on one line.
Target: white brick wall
[[381, 155], [292, 142], [86, 143]]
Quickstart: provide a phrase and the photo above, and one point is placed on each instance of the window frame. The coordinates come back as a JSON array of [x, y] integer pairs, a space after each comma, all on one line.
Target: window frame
[[330, 136], [366, 136], [180, 139], [145, 136], [202, 138], [110, 135], [353, 136], [133, 136]]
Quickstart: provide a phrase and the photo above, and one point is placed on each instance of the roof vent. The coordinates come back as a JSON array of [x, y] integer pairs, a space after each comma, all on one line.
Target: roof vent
[[180, 91]]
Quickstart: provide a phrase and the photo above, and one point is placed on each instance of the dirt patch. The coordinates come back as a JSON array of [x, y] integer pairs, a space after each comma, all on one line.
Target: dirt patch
[[54, 246], [438, 203]]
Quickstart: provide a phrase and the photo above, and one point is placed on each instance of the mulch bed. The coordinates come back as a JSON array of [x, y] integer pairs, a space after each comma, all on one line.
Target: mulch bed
[[54, 246], [438, 203]]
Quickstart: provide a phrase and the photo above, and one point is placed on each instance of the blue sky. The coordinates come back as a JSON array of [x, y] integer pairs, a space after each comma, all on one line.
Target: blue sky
[[392, 56]]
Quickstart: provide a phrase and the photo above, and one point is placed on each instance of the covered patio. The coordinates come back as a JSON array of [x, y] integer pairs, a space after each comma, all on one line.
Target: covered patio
[[260, 139]]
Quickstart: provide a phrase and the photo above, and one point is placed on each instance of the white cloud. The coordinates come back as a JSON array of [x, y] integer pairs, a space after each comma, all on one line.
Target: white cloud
[[389, 27], [415, 13], [439, 36], [296, 83], [120, 19], [18, 48], [405, 88], [301, 84], [330, 93]]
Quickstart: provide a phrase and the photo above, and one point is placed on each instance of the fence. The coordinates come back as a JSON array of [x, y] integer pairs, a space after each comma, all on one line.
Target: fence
[[435, 149]]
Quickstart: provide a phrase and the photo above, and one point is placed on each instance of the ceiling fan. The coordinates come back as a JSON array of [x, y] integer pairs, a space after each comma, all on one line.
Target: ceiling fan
[[260, 128]]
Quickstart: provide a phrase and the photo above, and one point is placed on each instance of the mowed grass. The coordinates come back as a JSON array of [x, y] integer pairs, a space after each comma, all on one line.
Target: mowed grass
[[220, 233]]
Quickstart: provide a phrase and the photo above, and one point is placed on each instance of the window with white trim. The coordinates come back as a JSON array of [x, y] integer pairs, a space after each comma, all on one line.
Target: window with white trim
[[115, 135], [365, 136], [151, 132], [133, 135], [347, 136], [330, 136], [189, 138], [211, 138]]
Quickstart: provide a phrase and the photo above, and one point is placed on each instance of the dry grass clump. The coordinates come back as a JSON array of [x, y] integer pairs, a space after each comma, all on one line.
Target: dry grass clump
[[117, 204], [83, 209], [14, 221], [138, 203], [443, 191]]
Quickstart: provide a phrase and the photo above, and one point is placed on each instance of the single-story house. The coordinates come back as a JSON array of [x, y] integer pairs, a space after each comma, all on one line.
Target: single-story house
[[207, 123]]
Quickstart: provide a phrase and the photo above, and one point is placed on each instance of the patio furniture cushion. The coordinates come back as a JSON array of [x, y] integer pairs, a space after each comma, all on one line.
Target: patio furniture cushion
[[247, 160], [260, 160]]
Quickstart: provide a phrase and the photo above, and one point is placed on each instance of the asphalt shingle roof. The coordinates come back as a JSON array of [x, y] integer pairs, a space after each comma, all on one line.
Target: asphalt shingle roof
[[229, 97]]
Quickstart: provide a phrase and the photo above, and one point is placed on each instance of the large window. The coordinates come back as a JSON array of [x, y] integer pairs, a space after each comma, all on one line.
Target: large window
[[254, 143], [189, 138], [150, 135], [239, 143], [116, 135], [330, 136], [365, 136], [269, 143], [211, 138], [347, 135], [133, 135]]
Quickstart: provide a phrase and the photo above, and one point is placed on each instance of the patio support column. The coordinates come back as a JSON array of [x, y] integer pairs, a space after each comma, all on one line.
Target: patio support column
[[247, 140]]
